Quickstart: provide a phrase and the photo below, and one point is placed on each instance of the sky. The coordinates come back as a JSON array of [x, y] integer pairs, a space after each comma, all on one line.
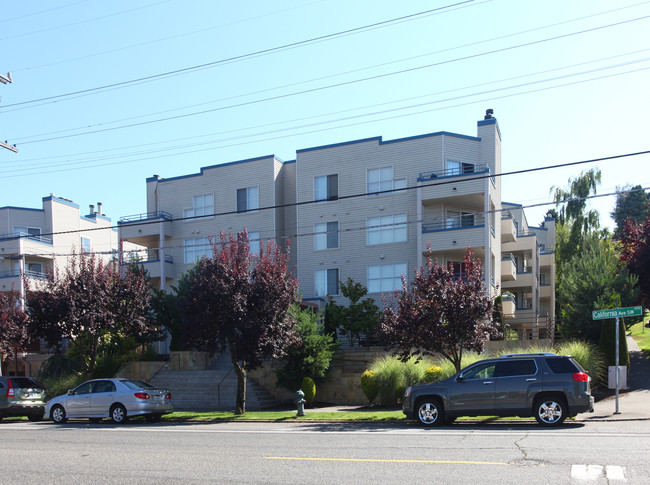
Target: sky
[[106, 94]]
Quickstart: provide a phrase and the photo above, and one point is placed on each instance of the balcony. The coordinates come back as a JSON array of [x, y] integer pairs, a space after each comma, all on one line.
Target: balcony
[[509, 227], [466, 182], [545, 291], [508, 307], [150, 260], [508, 267], [546, 259], [145, 229], [455, 232]]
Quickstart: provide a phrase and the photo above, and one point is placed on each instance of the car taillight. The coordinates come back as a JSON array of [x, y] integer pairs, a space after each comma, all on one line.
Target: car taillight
[[581, 377], [168, 395], [10, 389], [142, 395]]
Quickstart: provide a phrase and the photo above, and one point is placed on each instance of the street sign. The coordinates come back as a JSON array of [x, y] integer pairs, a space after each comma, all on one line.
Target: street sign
[[631, 311]]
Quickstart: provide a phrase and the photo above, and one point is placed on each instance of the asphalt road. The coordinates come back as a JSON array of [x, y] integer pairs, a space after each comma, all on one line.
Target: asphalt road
[[269, 453]]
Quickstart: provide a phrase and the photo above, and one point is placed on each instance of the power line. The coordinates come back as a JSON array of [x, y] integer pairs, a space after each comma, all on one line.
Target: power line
[[363, 194], [242, 56]]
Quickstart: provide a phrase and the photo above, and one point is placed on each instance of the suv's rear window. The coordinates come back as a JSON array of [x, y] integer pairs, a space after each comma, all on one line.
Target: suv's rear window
[[562, 365], [509, 368], [25, 383]]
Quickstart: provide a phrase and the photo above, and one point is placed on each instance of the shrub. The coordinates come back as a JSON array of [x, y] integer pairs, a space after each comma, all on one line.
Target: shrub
[[369, 385], [106, 365], [589, 357], [60, 385], [389, 376], [309, 388], [433, 373]]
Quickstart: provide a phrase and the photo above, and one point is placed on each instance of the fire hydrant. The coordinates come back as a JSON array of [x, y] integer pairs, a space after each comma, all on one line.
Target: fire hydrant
[[299, 398]]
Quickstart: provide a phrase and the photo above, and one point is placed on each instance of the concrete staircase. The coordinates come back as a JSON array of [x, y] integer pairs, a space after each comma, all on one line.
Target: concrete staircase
[[214, 389]]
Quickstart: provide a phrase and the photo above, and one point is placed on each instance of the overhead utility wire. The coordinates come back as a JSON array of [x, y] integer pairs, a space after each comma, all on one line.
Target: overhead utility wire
[[358, 195], [343, 230], [314, 131], [12, 19], [331, 86], [242, 56]]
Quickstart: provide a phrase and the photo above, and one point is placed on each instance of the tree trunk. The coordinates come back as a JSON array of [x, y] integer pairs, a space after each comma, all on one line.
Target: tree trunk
[[240, 370]]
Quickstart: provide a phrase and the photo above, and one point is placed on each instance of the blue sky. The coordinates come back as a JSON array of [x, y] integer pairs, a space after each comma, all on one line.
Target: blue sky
[[568, 81]]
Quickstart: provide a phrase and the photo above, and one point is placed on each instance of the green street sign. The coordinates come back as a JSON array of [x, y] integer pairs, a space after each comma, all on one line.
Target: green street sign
[[632, 311]]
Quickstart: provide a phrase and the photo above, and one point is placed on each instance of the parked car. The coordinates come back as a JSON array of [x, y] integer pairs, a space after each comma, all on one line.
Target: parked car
[[548, 386], [118, 399], [22, 396]]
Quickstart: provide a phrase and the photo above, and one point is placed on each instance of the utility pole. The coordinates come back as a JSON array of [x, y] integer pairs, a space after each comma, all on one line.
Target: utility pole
[[6, 80]]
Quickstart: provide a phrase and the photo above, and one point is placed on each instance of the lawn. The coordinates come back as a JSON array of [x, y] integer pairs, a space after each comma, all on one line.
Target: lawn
[[364, 415], [641, 335]]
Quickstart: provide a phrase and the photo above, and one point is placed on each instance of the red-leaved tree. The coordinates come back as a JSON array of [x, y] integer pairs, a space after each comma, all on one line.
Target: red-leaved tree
[[440, 314], [89, 300], [635, 241], [13, 324], [239, 302]]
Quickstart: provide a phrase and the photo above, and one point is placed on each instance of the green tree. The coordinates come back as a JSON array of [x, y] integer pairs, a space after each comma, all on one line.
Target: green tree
[[308, 356], [635, 239], [631, 203], [360, 318], [591, 280]]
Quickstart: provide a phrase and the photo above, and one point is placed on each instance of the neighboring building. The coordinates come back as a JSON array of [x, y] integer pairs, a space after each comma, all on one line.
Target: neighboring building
[[331, 208], [35, 242]]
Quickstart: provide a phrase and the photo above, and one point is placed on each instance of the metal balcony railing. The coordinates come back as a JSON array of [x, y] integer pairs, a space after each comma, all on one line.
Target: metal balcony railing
[[466, 169], [144, 216], [142, 257], [464, 221], [22, 235]]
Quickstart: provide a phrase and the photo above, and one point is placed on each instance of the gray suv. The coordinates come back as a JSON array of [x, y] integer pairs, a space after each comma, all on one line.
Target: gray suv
[[548, 386], [22, 396]]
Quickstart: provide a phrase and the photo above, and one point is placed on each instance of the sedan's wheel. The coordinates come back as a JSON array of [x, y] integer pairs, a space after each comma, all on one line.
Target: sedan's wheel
[[550, 411], [118, 414], [153, 418], [35, 417], [58, 414], [430, 412]]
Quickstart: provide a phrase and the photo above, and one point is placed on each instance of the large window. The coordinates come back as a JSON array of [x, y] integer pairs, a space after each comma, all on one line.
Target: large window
[[458, 268], [386, 229], [326, 282], [248, 199], [326, 187], [202, 205], [254, 242], [385, 277], [195, 249], [326, 235], [454, 167], [27, 231], [457, 218], [381, 179], [85, 245]]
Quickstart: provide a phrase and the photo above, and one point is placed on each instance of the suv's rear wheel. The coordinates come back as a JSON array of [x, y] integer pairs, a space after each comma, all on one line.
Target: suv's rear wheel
[[550, 410], [429, 412]]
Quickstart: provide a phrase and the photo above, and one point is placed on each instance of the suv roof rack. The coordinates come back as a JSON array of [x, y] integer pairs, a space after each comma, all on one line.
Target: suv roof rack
[[532, 354]]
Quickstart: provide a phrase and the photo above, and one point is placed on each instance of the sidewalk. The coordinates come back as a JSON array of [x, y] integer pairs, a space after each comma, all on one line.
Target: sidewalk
[[634, 402]]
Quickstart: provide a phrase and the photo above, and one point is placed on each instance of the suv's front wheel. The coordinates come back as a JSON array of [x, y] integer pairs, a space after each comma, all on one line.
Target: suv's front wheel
[[550, 410], [429, 412]]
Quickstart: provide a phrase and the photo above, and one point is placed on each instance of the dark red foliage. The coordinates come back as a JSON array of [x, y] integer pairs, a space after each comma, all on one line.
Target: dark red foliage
[[635, 241], [13, 323], [440, 314], [239, 302]]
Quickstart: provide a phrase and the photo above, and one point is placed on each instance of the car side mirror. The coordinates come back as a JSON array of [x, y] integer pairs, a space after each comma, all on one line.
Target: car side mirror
[[70, 393], [460, 378]]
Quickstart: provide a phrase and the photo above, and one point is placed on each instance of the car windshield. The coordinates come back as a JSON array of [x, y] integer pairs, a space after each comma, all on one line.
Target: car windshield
[[133, 384]]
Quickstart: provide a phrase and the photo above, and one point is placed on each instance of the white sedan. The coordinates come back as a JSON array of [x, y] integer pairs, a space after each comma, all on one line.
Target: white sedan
[[118, 399]]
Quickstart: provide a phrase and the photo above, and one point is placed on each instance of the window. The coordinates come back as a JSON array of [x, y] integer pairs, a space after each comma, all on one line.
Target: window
[[457, 218], [85, 245], [385, 277], [511, 368], [27, 231], [326, 187], [455, 167], [35, 267], [386, 229], [562, 365], [458, 268], [195, 249], [481, 371], [381, 179], [248, 199], [202, 205], [326, 235], [254, 242], [326, 282]]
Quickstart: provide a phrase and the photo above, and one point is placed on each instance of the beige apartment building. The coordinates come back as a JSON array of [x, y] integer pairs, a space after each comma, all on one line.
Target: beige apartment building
[[370, 210]]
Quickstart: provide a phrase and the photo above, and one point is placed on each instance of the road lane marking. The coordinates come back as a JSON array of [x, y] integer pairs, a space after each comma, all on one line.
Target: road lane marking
[[452, 462], [615, 472], [594, 472]]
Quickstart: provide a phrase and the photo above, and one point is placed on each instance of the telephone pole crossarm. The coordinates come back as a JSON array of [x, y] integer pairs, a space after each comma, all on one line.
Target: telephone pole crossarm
[[9, 147], [6, 79]]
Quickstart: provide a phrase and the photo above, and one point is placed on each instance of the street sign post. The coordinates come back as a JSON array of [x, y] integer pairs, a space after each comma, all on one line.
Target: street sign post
[[617, 313]]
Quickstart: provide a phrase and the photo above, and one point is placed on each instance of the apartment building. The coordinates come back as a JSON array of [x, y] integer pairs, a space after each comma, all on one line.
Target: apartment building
[[34, 242], [370, 210]]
